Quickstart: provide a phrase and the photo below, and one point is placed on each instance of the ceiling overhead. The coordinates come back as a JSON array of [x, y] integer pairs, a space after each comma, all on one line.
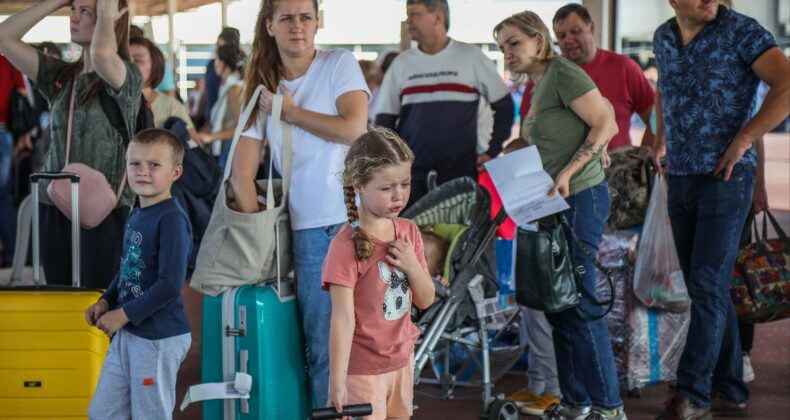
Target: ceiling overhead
[[143, 7]]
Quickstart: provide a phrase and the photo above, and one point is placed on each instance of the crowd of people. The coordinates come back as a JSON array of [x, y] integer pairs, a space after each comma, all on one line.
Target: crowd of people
[[350, 181]]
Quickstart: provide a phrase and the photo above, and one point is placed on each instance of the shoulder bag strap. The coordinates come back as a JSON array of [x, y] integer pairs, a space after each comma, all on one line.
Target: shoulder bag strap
[[113, 113], [277, 125], [609, 303]]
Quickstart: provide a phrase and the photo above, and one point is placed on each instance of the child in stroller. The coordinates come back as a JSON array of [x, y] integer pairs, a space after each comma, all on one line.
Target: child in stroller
[[435, 249]]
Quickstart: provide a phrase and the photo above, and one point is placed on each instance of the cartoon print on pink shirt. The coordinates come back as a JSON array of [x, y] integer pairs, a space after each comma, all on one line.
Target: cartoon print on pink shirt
[[396, 300]]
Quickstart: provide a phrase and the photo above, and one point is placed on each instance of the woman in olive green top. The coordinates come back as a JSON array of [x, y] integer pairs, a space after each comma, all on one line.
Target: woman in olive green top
[[101, 28], [570, 123]]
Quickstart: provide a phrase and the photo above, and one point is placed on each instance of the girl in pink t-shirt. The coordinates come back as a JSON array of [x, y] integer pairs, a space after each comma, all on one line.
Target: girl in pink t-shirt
[[375, 269]]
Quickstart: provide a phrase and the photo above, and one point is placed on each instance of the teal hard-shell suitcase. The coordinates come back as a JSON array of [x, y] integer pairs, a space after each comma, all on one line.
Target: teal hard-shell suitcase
[[255, 330]]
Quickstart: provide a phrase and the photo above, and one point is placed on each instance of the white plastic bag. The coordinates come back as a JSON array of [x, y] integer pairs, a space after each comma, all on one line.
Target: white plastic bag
[[658, 279]]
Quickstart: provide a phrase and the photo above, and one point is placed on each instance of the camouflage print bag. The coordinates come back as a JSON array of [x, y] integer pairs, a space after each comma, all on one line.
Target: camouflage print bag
[[629, 178]]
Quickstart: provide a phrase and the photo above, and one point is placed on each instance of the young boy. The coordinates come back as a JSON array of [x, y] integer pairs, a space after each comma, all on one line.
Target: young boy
[[142, 308]]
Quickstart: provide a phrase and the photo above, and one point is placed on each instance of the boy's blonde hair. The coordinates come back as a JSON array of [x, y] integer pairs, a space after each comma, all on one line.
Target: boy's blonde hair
[[377, 148], [161, 136], [530, 23]]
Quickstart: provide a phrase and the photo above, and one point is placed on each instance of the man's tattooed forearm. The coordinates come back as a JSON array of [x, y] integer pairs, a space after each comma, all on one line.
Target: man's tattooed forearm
[[587, 150]]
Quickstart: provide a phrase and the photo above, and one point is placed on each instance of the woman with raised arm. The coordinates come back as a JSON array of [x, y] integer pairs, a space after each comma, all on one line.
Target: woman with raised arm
[[101, 28], [325, 98]]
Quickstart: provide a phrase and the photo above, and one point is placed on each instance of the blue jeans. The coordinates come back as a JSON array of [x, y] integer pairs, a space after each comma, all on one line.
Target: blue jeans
[[7, 210], [310, 248], [224, 153], [585, 362], [707, 216]]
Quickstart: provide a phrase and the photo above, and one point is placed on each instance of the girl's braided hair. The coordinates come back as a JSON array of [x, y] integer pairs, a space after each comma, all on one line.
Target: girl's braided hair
[[377, 148]]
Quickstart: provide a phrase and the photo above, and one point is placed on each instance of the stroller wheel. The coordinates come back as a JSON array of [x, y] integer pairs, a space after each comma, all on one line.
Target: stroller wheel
[[503, 410]]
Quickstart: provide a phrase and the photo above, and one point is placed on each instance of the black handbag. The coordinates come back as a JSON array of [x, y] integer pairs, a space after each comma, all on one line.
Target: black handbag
[[546, 277]]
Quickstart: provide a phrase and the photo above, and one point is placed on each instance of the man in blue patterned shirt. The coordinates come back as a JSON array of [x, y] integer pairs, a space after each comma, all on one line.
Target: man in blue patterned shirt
[[710, 60]]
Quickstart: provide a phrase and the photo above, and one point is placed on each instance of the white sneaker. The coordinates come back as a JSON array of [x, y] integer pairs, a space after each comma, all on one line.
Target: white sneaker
[[562, 412], [748, 372], [601, 414]]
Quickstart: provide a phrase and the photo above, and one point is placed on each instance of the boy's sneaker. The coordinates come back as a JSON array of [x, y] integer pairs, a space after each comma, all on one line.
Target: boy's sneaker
[[601, 414], [539, 406], [563, 412], [748, 371], [522, 397]]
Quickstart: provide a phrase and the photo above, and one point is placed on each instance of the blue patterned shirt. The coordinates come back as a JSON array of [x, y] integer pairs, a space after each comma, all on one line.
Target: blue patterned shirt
[[708, 88]]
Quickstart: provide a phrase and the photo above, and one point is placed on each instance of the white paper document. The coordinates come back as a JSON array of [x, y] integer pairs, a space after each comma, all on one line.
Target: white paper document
[[523, 186]]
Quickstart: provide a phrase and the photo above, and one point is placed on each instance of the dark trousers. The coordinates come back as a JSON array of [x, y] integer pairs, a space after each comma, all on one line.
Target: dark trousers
[[100, 253], [707, 217], [746, 331]]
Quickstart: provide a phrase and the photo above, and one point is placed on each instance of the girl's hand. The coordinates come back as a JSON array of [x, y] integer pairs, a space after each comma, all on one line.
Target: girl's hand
[[337, 398], [605, 159], [110, 7], [561, 185], [403, 257], [112, 321], [205, 138]]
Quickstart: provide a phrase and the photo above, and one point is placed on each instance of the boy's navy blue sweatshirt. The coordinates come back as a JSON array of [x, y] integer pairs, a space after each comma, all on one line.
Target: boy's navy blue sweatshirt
[[156, 246]]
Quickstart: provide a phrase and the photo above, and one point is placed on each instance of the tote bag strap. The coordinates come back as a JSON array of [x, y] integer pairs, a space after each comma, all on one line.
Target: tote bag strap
[[69, 129], [277, 125]]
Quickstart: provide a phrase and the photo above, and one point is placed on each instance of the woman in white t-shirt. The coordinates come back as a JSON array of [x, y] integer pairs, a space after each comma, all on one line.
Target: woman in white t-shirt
[[226, 110], [325, 99]]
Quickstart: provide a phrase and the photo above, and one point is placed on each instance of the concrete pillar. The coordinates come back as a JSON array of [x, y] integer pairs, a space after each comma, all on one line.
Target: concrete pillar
[[224, 4], [602, 13], [405, 38], [172, 8]]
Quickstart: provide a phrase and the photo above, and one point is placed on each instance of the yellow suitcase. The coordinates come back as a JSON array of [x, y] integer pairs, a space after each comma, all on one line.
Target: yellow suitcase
[[50, 358]]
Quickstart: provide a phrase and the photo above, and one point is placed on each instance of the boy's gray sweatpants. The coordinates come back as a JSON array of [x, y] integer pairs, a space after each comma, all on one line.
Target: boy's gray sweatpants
[[138, 378], [541, 361]]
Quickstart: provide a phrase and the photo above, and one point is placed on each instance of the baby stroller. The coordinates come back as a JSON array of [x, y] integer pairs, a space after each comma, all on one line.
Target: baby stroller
[[467, 309]]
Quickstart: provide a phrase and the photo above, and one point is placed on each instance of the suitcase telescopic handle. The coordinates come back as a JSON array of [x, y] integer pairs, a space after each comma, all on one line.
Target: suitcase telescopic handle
[[75, 225], [356, 410], [34, 178]]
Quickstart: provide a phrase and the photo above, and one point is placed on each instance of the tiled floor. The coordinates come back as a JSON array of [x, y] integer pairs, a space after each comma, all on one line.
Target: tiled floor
[[770, 391]]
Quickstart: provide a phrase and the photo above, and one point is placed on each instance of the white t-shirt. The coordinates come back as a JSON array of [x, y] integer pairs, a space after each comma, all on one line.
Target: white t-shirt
[[316, 191]]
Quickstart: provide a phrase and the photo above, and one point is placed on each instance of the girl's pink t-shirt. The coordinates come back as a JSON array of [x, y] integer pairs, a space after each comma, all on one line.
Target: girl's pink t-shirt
[[384, 335]]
